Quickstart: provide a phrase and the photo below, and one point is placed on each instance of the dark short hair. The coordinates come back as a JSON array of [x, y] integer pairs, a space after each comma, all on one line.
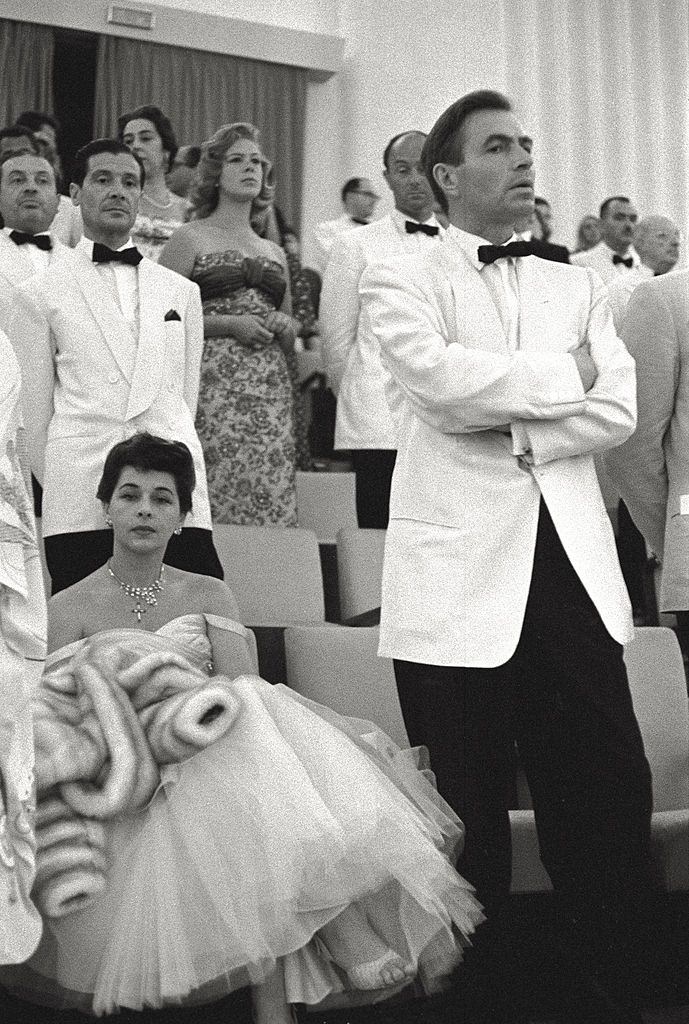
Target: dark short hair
[[83, 155], [35, 119], [162, 124], [393, 140], [149, 453], [19, 131], [605, 205], [351, 185], [444, 143]]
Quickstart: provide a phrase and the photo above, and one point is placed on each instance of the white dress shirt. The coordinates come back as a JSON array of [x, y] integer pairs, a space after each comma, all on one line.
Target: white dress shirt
[[601, 258], [121, 279]]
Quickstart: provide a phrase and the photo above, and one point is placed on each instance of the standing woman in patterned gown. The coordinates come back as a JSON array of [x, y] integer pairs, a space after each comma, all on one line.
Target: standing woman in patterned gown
[[246, 404]]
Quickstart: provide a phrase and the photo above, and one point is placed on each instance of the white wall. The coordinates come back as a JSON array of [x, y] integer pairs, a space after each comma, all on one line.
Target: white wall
[[602, 85]]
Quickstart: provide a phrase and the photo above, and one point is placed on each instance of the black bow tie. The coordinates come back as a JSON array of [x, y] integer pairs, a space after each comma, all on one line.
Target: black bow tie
[[491, 253], [40, 241], [102, 254], [629, 262], [412, 226]]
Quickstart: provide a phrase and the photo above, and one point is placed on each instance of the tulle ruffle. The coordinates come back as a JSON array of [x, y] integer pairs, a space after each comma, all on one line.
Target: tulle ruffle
[[246, 850]]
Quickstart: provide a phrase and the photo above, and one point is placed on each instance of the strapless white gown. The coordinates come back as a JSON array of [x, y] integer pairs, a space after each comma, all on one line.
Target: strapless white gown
[[251, 845]]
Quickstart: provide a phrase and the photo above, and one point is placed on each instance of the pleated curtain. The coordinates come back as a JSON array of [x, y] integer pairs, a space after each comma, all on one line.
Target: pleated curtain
[[201, 91], [26, 69], [603, 86]]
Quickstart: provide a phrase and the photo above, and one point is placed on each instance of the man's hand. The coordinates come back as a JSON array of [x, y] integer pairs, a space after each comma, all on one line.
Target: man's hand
[[585, 365]]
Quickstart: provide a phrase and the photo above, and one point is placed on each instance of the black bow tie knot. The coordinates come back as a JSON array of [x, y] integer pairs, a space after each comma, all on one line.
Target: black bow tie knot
[[628, 262], [103, 254], [491, 253], [412, 226], [40, 241]]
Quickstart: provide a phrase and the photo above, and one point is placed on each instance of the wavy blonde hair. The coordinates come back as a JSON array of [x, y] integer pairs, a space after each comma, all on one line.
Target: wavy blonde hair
[[205, 189]]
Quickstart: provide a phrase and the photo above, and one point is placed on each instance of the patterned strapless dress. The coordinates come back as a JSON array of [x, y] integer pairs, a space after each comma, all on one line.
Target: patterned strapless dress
[[246, 414]]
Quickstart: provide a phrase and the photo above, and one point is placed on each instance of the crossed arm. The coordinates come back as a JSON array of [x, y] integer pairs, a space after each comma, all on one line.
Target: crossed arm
[[541, 394]]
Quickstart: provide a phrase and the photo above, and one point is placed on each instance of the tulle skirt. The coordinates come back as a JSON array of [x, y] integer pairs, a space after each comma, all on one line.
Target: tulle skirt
[[246, 850]]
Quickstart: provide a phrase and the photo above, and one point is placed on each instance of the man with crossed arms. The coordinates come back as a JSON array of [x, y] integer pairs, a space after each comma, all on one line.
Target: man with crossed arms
[[503, 603]]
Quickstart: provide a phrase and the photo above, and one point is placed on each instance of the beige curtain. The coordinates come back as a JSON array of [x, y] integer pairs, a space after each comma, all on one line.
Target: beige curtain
[[26, 69], [200, 91], [603, 86]]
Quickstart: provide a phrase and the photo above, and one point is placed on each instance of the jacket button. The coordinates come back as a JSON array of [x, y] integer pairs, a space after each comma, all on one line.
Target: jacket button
[[113, 378]]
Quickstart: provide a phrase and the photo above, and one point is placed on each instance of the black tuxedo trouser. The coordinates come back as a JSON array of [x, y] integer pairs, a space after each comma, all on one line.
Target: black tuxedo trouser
[[73, 556], [373, 472], [564, 698]]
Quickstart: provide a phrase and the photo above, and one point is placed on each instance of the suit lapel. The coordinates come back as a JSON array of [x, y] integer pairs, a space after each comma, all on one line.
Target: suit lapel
[[477, 321], [15, 265], [149, 366], [107, 315]]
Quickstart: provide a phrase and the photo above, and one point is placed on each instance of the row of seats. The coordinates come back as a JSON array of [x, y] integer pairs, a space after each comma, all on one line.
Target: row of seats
[[338, 666], [277, 579], [276, 574]]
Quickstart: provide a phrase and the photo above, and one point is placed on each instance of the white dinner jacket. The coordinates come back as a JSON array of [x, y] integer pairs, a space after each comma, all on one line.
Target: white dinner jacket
[[600, 259], [91, 383], [16, 266], [651, 469], [465, 496], [324, 236], [350, 349]]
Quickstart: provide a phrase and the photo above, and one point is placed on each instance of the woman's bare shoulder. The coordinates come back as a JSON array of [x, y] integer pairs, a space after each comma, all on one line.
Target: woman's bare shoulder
[[205, 593]]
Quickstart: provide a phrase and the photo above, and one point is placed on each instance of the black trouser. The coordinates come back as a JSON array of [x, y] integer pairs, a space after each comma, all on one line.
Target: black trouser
[[73, 556], [631, 549], [564, 698], [373, 470]]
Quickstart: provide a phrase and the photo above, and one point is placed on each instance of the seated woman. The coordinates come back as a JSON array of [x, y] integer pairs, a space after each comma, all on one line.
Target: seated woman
[[199, 829]]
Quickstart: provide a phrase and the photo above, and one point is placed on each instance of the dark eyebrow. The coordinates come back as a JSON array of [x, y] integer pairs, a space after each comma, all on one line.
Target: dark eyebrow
[[499, 137]]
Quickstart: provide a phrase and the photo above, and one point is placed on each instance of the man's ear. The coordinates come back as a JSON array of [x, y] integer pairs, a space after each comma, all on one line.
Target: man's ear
[[445, 175], [75, 194], [386, 175]]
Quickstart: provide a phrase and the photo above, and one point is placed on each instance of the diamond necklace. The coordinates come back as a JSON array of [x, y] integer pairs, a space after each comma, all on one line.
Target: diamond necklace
[[147, 595]]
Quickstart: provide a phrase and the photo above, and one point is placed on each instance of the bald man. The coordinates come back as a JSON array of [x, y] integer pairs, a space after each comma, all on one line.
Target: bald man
[[656, 240], [352, 356]]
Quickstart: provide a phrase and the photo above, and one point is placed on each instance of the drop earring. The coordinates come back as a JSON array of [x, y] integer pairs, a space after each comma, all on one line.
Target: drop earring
[[108, 522]]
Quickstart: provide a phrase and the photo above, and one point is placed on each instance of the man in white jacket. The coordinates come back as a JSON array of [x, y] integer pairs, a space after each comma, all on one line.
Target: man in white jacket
[[503, 602], [363, 424]]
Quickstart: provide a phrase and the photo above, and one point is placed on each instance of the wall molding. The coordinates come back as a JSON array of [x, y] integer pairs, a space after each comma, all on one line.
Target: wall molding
[[320, 53]]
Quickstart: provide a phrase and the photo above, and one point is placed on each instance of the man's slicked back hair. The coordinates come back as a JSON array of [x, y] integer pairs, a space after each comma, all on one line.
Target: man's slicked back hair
[[444, 142]]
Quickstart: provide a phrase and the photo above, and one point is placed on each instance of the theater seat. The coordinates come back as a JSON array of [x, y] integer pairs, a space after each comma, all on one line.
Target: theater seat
[[326, 503], [359, 570], [274, 573], [338, 666]]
